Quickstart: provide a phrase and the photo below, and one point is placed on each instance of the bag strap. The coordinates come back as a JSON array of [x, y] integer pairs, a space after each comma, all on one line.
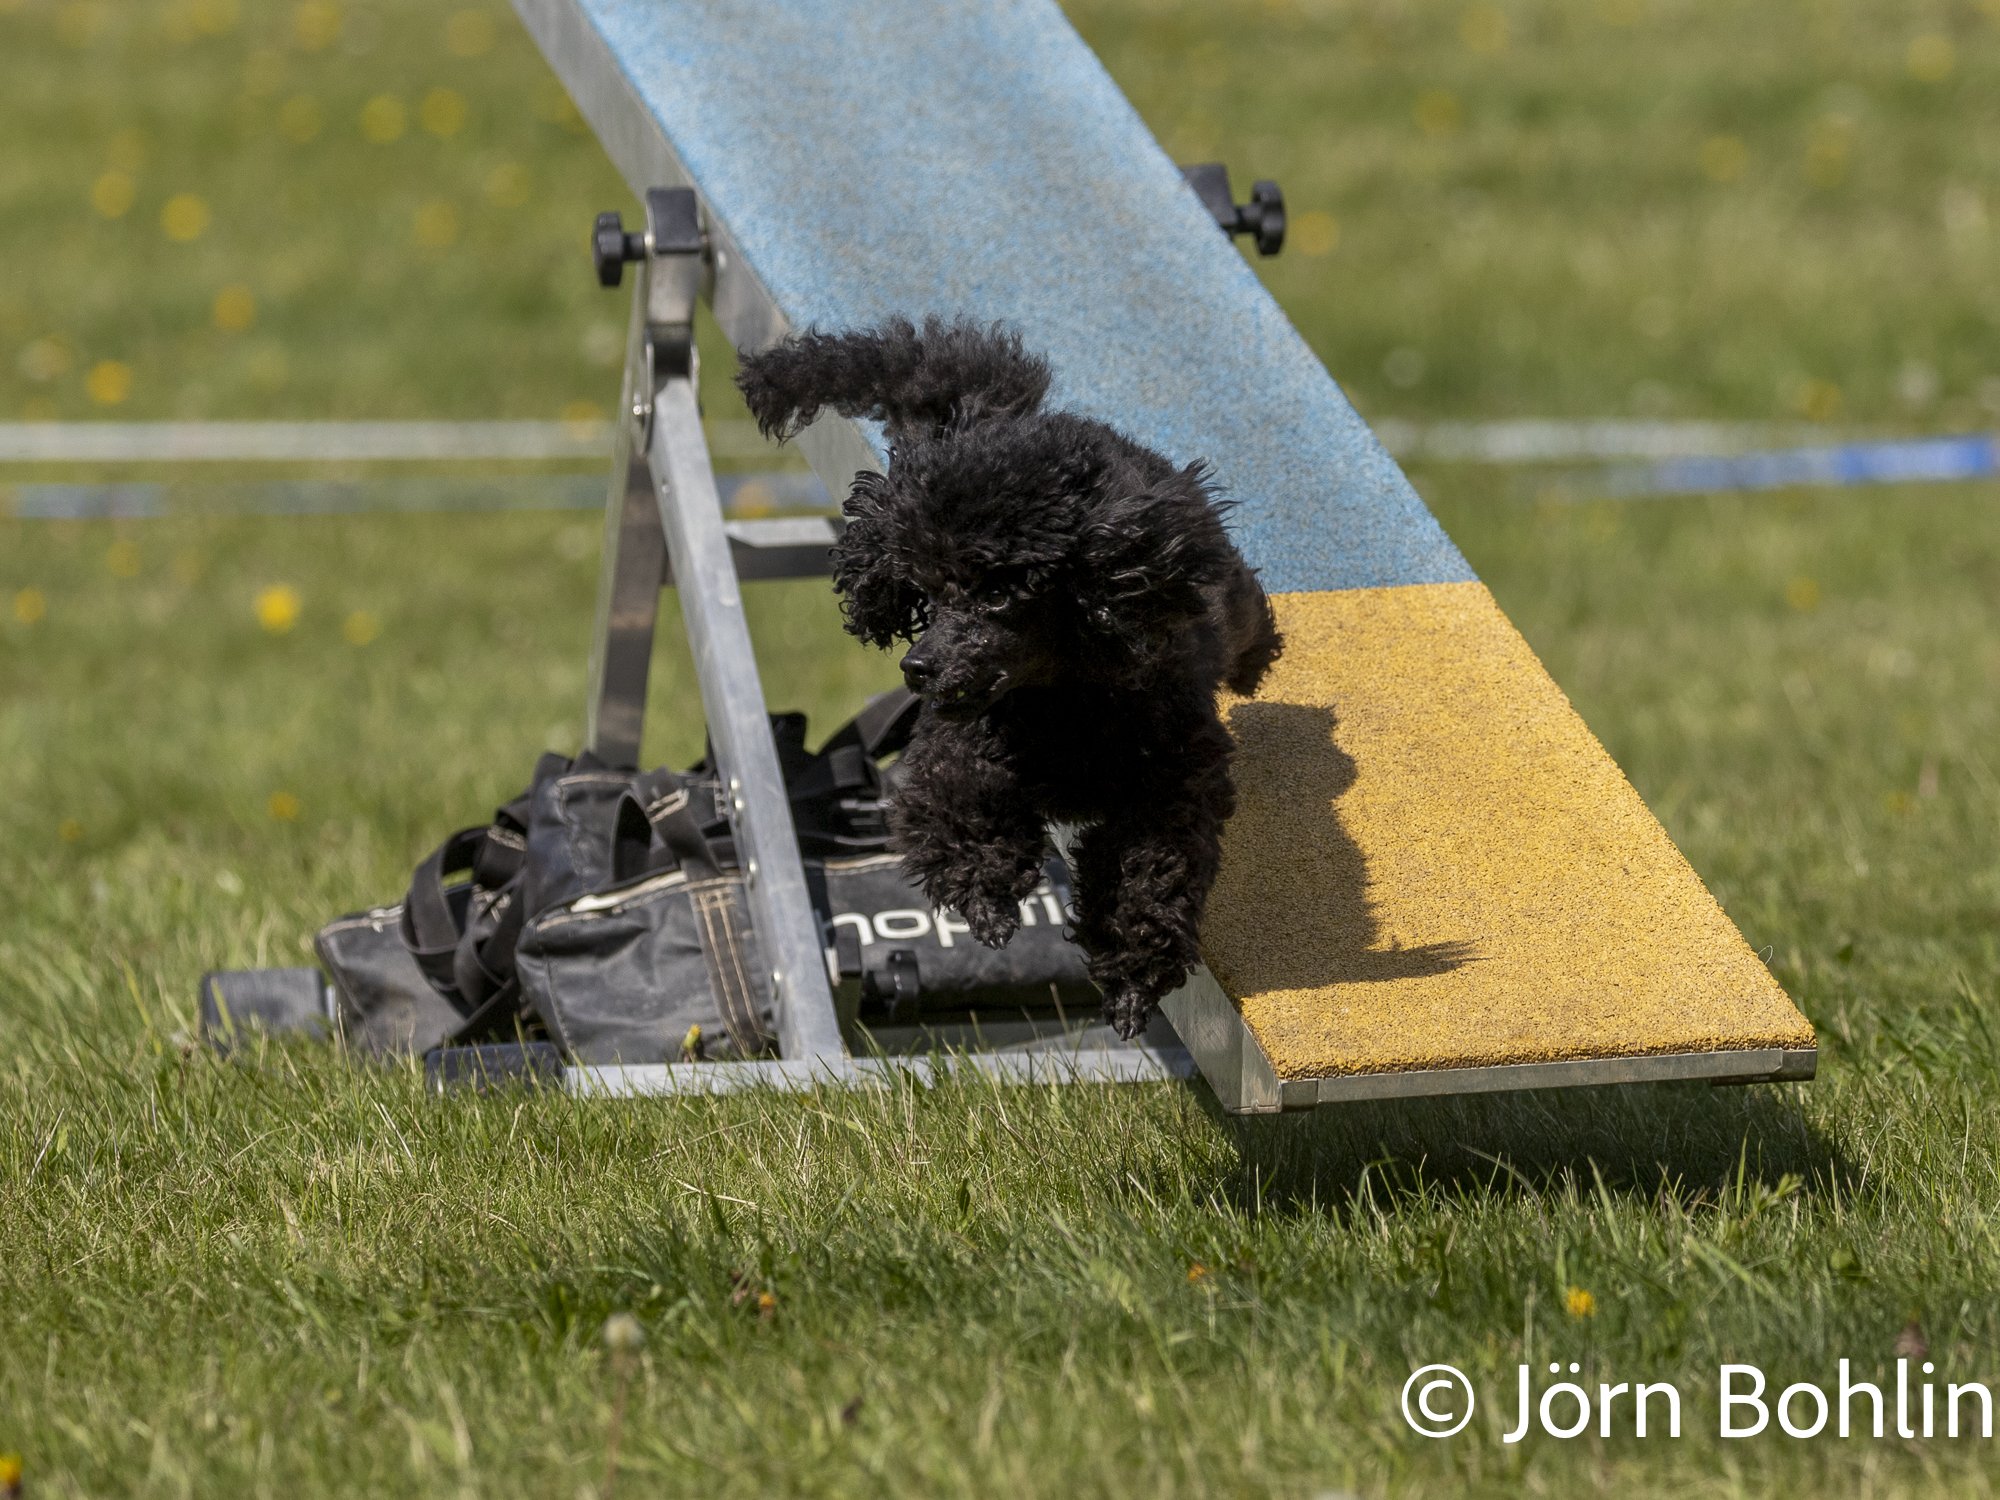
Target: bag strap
[[881, 728], [430, 925], [490, 933], [665, 815]]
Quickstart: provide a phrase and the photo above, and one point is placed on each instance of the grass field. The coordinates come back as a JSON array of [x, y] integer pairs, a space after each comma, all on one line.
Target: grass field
[[296, 1277]]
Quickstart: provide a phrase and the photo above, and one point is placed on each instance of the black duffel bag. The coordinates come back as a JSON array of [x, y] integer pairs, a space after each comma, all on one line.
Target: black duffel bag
[[603, 908], [660, 965]]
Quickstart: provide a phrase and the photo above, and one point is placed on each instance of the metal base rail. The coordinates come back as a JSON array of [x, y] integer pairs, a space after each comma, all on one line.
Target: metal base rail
[[1236, 1066]]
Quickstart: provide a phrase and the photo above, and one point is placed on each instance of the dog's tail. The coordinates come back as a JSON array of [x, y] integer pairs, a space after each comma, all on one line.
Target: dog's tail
[[1249, 631], [917, 382]]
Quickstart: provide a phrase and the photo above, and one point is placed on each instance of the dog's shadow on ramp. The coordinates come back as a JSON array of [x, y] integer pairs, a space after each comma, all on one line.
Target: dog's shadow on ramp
[[1299, 914]]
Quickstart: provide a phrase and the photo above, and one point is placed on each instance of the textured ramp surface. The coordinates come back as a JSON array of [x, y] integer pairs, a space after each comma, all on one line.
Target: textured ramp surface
[[874, 157], [1434, 863]]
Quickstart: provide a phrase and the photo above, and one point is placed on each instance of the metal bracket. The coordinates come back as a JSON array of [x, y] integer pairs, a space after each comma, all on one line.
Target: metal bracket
[[1262, 218], [674, 270], [664, 520]]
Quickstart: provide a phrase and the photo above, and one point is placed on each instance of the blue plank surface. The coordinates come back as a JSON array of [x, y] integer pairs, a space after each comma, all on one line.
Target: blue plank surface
[[874, 157]]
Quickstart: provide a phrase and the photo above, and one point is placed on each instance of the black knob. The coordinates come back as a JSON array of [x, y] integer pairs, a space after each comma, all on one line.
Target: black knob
[[611, 247], [1264, 216]]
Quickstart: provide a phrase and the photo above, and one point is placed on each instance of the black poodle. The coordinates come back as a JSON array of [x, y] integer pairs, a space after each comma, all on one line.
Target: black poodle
[[1074, 602]]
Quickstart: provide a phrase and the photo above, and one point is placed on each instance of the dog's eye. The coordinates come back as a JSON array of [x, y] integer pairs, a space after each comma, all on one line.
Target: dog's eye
[[994, 592]]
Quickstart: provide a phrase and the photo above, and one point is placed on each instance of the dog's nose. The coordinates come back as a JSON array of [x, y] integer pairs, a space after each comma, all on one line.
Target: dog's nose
[[918, 672]]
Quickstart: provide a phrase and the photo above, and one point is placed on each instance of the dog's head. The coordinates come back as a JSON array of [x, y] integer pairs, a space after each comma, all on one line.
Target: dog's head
[[1021, 554]]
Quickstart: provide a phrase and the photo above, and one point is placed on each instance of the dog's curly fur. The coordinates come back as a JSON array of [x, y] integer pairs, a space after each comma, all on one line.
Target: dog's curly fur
[[1074, 602]]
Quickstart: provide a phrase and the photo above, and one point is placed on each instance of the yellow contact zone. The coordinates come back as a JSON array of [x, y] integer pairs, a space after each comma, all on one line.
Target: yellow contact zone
[[1434, 863]]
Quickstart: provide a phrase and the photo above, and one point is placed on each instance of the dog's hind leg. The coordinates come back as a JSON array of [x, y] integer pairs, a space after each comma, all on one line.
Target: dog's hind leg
[[966, 830], [1142, 881], [916, 381]]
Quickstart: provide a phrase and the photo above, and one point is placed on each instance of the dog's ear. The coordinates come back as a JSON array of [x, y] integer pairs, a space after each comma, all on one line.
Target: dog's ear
[[880, 602], [918, 383], [1144, 555]]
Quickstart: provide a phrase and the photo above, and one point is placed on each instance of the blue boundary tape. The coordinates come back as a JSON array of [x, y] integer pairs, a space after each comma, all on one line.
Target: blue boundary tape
[[1914, 461], [742, 495], [1911, 461]]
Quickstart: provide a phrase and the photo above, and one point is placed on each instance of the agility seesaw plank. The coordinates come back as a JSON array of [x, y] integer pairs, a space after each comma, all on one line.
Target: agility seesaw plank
[[1437, 880]]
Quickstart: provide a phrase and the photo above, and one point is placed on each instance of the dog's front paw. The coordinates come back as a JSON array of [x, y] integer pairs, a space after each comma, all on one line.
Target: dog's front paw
[[993, 920], [1127, 1010]]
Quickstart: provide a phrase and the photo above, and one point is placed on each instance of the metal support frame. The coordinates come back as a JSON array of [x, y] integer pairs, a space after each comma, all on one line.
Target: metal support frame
[[664, 513], [623, 110], [664, 526]]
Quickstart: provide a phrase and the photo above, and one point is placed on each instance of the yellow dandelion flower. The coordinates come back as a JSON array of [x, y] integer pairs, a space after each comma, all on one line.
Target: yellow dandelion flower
[[1438, 112], [184, 218], [1723, 158], [69, 831], [112, 194], [235, 308], [122, 559], [1802, 594], [214, 17], [109, 382], [468, 33], [1198, 1273], [78, 22], [443, 112], [1580, 1303], [1819, 400], [384, 119], [278, 608], [767, 1304], [283, 806], [436, 225], [1483, 29], [753, 498], [45, 359], [316, 25], [300, 119], [507, 185], [360, 627], [1931, 57], [1316, 232], [1828, 151], [583, 418], [31, 606]]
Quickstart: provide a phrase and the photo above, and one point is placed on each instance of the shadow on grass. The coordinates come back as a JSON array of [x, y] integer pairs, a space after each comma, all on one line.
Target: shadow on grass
[[1693, 1143]]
